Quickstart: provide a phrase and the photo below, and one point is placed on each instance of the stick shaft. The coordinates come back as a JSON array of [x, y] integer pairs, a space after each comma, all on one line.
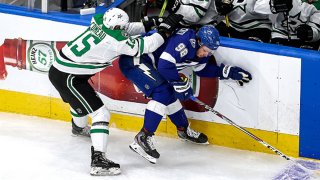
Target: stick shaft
[[163, 8], [275, 150]]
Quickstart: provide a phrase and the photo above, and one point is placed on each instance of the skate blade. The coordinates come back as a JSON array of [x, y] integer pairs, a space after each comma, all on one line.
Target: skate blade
[[74, 135], [187, 140], [98, 171], [79, 135], [136, 148]]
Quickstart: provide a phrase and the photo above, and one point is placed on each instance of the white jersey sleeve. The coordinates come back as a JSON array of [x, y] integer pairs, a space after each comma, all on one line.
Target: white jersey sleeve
[[262, 7], [191, 10], [212, 16], [146, 44], [314, 22], [97, 47], [140, 45], [244, 18], [197, 12], [301, 13], [135, 28]]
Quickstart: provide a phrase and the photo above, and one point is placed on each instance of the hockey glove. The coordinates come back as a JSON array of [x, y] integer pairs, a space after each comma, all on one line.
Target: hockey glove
[[224, 6], [182, 89], [304, 32], [169, 25], [235, 73], [89, 4], [277, 6], [151, 22]]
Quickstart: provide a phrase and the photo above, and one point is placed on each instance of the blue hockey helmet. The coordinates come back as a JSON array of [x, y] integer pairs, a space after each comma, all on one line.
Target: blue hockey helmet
[[208, 36]]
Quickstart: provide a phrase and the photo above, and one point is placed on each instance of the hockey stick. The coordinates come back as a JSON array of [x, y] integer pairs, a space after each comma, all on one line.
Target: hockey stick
[[164, 6], [275, 150], [228, 25]]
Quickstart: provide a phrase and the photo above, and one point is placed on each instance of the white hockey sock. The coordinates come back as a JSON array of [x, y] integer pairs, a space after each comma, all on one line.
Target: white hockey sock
[[99, 130], [79, 121]]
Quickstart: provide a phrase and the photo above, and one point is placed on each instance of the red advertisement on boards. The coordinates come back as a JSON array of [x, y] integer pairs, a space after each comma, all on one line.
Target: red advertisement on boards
[[34, 55]]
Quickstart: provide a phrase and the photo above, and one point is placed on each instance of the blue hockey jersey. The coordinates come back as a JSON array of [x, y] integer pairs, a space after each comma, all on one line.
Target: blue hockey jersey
[[179, 52]]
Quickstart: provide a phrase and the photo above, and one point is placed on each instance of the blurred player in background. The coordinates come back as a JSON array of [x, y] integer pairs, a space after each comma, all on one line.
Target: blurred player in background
[[256, 20], [294, 23], [242, 22], [233, 18]]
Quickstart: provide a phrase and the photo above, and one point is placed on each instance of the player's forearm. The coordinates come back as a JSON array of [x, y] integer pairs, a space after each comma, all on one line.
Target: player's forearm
[[135, 28], [210, 71], [315, 25], [151, 43]]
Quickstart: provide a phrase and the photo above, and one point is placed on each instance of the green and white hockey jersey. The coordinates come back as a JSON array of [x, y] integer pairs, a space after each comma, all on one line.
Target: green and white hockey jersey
[[97, 47], [243, 18], [197, 12], [301, 13]]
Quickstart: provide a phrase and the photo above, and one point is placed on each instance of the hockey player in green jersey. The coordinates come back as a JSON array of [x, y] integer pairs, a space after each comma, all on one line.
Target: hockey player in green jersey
[[95, 49], [233, 18], [294, 23]]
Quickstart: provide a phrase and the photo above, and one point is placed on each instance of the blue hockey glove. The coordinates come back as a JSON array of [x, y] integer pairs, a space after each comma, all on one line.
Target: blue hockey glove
[[182, 89], [235, 73]]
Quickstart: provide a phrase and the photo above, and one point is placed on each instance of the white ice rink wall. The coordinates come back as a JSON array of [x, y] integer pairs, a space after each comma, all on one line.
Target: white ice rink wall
[[271, 102]]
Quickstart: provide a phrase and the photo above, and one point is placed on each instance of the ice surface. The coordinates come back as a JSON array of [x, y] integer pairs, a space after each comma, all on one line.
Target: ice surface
[[34, 148]]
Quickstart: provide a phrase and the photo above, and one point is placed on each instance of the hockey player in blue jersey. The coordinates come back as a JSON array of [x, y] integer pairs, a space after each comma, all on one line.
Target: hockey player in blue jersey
[[156, 75]]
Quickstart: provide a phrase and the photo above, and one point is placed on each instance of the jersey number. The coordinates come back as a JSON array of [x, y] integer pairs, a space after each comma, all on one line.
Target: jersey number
[[82, 44], [130, 42], [182, 49]]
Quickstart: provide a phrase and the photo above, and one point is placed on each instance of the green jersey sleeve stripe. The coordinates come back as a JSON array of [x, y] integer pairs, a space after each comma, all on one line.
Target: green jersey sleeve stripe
[[248, 27], [85, 66], [253, 21], [280, 31], [198, 13], [141, 46], [137, 53]]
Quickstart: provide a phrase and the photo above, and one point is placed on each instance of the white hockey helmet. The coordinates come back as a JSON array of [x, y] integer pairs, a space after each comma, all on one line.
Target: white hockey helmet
[[115, 17]]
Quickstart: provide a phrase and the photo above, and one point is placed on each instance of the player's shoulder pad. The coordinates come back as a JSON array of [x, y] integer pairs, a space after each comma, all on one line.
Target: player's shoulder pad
[[188, 37], [98, 18], [183, 35], [185, 32]]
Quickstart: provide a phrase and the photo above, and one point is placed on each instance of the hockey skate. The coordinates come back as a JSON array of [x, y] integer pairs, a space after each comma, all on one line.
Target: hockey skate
[[143, 145], [78, 131], [101, 166], [193, 136]]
